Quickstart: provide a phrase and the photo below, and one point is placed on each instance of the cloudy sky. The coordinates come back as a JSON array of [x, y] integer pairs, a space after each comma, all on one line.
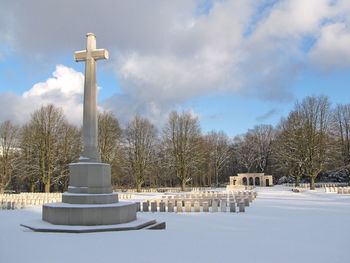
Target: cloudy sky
[[232, 63]]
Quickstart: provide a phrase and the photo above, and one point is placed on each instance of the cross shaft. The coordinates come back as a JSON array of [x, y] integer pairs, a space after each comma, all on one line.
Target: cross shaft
[[90, 132]]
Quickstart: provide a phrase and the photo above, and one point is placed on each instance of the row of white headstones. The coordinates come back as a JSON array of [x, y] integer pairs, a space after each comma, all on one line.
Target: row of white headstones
[[197, 201], [339, 190], [206, 202], [318, 185], [23, 200], [176, 189]]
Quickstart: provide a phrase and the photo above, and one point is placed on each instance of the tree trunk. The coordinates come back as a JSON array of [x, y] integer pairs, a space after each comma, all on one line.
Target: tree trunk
[[32, 187], [297, 180], [47, 186], [312, 183], [138, 187], [183, 185]]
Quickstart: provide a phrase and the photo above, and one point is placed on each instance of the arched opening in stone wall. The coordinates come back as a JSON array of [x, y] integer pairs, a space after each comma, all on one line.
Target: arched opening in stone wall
[[257, 181], [267, 182], [244, 180], [251, 181]]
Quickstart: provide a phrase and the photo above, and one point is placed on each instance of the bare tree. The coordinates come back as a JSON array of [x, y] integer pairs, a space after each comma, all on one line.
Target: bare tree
[[341, 130], [109, 141], [109, 135], [41, 143], [8, 153], [289, 148], [315, 113], [29, 168], [262, 137], [244, 152], [182, 138], [253, 149], [218, 152], [140, 138], [67, 151]]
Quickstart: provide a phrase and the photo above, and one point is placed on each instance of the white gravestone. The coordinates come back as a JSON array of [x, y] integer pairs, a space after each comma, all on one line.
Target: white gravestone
[[205, 206], [223, 205], [188, 206], [170, 207], [179, 206], [214, 206], [197, 207]]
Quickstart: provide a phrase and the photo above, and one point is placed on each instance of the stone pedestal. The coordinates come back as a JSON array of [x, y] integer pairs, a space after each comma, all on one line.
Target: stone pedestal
[[90, 199], [90, 178], [89, 215]]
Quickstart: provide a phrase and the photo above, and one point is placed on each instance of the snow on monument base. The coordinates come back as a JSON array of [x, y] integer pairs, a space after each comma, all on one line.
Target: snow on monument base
[[90, 200], [89, 215]]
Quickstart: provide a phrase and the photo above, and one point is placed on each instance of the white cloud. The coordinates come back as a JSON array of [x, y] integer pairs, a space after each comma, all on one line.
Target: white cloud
[[213, 55], [65, 81], [203, 58], [64, 90], [165, 53], [292, 19], [333, 47]]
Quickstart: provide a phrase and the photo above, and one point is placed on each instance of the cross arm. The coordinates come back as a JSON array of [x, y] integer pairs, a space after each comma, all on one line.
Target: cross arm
[[80, 55], [100, 54], [95, 54]]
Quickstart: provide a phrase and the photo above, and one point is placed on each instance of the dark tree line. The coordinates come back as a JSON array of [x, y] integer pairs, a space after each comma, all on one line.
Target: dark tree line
[[312, 139]]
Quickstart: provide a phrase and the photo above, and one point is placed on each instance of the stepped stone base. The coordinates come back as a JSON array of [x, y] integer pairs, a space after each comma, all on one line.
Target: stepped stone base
[[88, 214], [42, 226], [70, 198], [90, 200]]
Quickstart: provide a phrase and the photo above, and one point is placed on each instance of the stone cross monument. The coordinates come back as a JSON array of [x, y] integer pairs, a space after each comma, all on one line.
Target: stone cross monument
[[90, 199], [90, 55]]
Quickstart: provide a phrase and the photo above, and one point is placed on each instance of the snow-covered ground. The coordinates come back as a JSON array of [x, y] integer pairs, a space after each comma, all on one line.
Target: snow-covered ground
[[280, 227]]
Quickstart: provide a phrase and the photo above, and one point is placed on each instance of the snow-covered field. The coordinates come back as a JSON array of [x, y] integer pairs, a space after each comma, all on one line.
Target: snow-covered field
[[280, 227]]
